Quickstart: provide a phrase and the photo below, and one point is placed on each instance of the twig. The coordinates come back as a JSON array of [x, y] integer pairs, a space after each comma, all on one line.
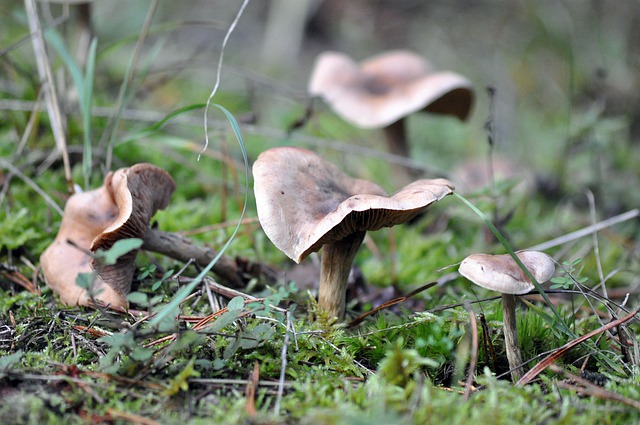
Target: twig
[[590, 389], [50, 95], [547, 361], [250, 392], [473, 356], [283, 365], [183, 249], [130, 417], [586, 230], [6, 164]]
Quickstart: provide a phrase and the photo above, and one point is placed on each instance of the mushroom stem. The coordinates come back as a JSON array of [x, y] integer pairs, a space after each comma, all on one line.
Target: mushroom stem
[[335, 267], [396, 139], [511, 336]]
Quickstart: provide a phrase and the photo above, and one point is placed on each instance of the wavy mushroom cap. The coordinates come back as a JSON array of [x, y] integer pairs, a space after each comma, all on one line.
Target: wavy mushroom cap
[[387, 87], [305, 202], [501, 273], [122, 208], [86, 215]]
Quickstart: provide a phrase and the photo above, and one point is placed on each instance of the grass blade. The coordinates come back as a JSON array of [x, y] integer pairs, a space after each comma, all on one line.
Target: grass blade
[[511, 252], [187, 289]]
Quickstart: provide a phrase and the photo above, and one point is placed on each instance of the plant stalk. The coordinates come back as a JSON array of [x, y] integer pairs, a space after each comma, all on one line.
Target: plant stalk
[[396, 138]]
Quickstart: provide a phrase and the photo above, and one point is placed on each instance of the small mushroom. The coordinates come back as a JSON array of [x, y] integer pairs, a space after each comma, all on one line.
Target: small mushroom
[[501, 273], [122, 208], [383, 90], [305, 203]]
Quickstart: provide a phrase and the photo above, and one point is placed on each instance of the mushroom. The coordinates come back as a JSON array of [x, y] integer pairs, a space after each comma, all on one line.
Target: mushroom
[[121, 208], [501, 273], [305, 203], [383, 90]]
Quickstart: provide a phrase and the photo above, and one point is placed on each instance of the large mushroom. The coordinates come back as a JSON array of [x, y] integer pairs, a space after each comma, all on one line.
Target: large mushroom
[[382, 91], [501, 273], [305, 203], [122, 208]]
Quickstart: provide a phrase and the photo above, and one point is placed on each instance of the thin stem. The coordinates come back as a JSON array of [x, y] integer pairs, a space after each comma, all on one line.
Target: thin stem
[[396, 138], [337, 259], [511, 336]]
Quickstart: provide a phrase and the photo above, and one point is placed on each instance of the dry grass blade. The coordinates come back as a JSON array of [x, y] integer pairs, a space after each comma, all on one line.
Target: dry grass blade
[[19, 279], [33, 185], [250, 392], [473, 324], [131, 417], [586, 230], [551, 358], [588, 388], [50, 95]]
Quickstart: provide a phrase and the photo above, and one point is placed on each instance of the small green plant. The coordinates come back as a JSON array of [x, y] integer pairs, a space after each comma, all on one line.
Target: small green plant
[[571, 275]]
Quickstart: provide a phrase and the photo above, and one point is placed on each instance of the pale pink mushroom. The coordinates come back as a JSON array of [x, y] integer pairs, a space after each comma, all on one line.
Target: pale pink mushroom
[[382, 91]]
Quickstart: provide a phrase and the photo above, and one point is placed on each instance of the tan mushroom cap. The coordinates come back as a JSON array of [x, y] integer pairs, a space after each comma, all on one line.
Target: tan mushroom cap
[[501, 273], [139, 192], [305, 202], [85, 216], [387, 87], [122, 208]]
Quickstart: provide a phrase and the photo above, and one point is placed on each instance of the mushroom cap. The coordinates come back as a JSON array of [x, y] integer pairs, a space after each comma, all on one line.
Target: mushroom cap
[[305, 202], [121, 208], [139, 192], [387, 87], [501, 273], [85, 216]]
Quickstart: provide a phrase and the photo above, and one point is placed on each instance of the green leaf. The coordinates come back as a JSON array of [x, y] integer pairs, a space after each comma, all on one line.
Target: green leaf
[[138, 298], [8, 362], [84, 280], [236, 303], [118, 249], [186, 290], [180, 382]]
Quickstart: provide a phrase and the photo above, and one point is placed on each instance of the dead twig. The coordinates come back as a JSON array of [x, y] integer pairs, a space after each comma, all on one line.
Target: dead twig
[[588, 388], [556, 354], [182, 248], [586, 231], [250, 391], [473, 356], [50, 94]]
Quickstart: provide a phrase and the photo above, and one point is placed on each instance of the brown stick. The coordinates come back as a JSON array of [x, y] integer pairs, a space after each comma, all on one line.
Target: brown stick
[[551, 358], [182, 248]]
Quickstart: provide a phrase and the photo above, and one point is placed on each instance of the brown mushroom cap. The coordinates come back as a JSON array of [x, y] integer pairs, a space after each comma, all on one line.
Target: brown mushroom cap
[[388, 87], [139, 192], [305, 202], [121, 208], [501, 273]]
